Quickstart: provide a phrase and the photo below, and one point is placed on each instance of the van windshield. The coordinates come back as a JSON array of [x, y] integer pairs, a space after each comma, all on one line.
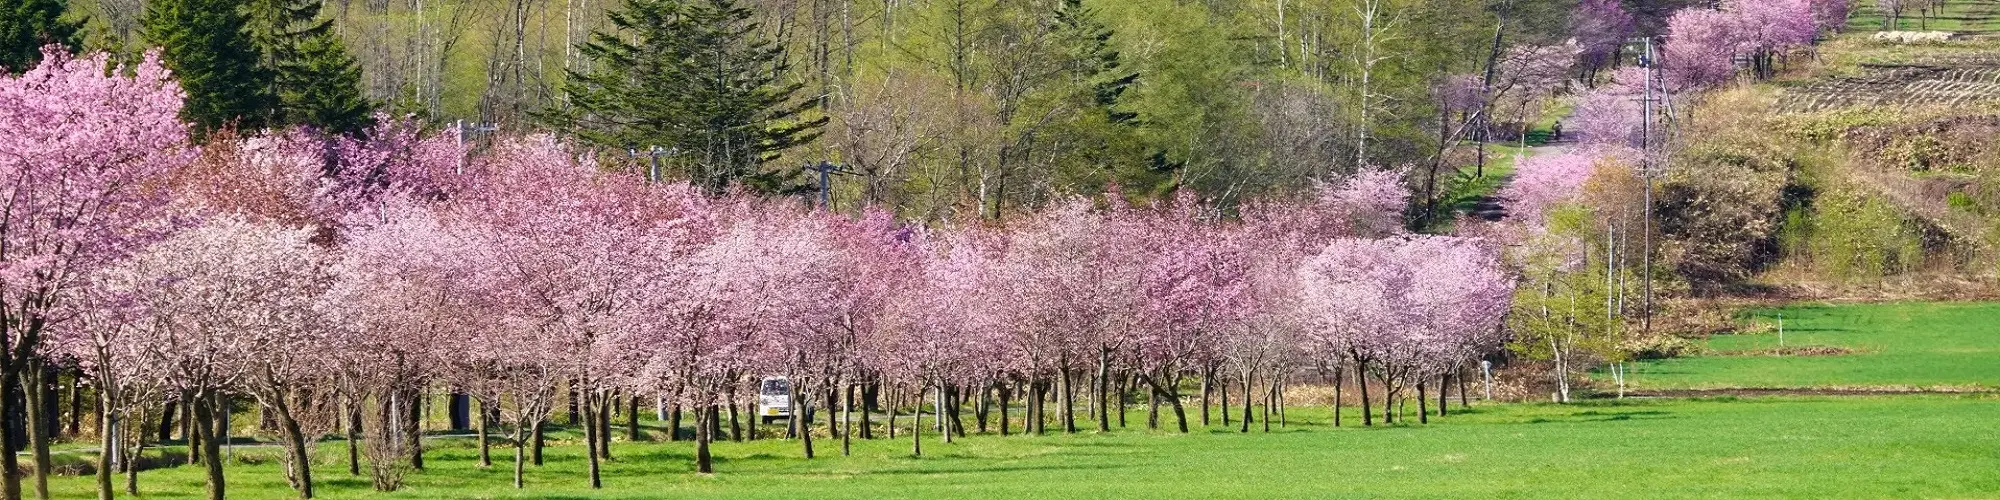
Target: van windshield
[[776, 387]]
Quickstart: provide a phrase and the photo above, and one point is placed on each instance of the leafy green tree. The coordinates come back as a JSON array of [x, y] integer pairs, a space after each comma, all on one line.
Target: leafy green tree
[[209, 48], [28, 25], [694, 76], [316, 82]]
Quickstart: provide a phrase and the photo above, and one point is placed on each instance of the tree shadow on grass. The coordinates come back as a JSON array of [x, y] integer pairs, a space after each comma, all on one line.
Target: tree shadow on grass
[[1602, 416]]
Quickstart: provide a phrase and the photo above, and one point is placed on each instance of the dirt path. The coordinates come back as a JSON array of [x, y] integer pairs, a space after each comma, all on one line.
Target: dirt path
[[1492, 207]]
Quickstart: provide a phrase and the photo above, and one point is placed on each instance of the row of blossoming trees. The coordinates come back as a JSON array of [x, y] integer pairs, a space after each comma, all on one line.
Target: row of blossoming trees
[[336, 280]]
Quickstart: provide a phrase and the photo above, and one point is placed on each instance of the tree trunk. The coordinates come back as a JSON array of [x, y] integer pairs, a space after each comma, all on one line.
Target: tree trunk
[[1207, 387], [1336, 396], [1068, 401], [802, 415], [353, 435], [207, 423], [535, 448], [36, 393], [704, 462], [632, 419], [590, 442], [1222, 391], [167, 421], [867, 413], [606, 403], [485, 444], [1423, 411], [1444, 388], [520, 449], [982, 405], [295, 444], [1248, 377], [1361, 381], [674, 421], [1100, 387], [1000, 390], [413, 427], [107, 430], [847, 420], [917, 425]]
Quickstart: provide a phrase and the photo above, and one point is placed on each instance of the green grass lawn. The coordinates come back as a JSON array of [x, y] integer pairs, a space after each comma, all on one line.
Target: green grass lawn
[[1859, 447], [1957, 15], [1903, 345]]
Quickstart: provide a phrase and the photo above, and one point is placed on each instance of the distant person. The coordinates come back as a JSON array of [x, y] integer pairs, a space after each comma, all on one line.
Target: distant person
[[1556, 132]]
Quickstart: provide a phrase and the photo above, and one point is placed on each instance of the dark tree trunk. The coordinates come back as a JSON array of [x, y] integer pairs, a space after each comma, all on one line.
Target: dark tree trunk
[[1248, 380], [167, 421], [704, 462], [590, 442], [209, 423], [1361, 381], [1336, 396], [353, 435], [1222, 390], [867, 417], [981, 406], [632, 419], [413, 429], [37, 393], [75, 405], [1002, 392], [606, 403], [461, 412], [1444, 389], [295, 444], [535, 448], [1423, 402], [1101, 387], [674, 421], [917, 425], [485, 444]]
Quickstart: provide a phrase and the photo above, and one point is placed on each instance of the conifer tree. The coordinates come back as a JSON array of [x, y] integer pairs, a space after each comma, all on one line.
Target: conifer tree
[[1112, 150], [28, 25], [315, 81], [207, 45], [692, 75]]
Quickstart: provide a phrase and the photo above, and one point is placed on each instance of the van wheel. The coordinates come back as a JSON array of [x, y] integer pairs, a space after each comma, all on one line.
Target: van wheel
[[766, 420]]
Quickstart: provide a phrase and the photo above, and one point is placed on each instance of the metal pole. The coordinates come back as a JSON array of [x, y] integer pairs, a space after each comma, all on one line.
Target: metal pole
[[825, 184], [1646, 171]]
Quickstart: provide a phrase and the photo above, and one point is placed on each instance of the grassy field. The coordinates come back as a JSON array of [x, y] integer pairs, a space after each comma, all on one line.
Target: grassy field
[[1865, 447], [1907, 345], [1883, 446], [1958, 15]]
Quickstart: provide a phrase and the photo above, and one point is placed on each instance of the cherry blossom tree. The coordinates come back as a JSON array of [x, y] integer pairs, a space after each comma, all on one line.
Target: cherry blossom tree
[[1601, 28], [80, 148], [224, 303]]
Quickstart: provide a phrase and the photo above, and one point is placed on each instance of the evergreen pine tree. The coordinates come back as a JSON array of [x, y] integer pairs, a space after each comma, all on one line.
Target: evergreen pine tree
[[690, 75], [28, 25], [206, 44], [1111, 147], [314, 80]]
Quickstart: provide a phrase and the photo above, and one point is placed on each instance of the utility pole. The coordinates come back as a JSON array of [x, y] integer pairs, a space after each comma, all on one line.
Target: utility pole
[[653, 153], [826, 169], [1651, 164]]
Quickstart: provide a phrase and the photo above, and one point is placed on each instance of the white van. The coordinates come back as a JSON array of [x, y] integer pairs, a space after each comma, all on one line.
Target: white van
[[774, 399]]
